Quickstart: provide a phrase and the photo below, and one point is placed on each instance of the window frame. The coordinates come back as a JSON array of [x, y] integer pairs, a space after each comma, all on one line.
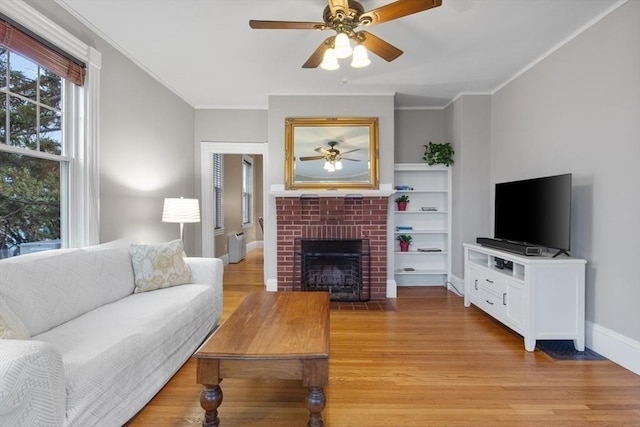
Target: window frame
[[247, 191], [80, 197], [218, 203]]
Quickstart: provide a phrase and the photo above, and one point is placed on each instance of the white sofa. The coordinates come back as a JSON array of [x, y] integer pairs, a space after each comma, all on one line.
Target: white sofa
[[98, 352]]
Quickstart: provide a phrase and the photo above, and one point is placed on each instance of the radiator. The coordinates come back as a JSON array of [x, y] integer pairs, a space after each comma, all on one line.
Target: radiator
[[237, 247]]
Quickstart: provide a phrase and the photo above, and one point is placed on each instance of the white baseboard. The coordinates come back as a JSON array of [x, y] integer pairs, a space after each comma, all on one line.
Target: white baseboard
[[272, 285], [616, 347], [392, 289], [458, 283], [256, 244]]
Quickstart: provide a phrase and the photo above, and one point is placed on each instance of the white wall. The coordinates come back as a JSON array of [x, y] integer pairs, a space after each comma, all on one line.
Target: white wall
[[146, 143], [578, 111]]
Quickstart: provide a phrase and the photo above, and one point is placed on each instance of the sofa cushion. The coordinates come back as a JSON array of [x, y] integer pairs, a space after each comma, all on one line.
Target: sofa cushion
[[11, 327], [123, 353], [46, 289], [159, 266]]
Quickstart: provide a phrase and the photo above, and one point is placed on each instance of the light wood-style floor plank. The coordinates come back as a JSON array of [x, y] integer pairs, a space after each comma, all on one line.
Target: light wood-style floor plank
[[431, 362]]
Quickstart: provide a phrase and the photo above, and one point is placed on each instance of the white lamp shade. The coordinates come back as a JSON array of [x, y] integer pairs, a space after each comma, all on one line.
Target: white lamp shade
[[341, 46], [181, 210], [329, 61], [338, 165], [360, 57]]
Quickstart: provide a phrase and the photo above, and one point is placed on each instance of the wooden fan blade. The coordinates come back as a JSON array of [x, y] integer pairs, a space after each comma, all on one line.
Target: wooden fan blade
[[350, 151], [351, 160], [316, 57], [311, 158], [375, 44], [396, 10], [286, 25], [322, 150], [339, 5]]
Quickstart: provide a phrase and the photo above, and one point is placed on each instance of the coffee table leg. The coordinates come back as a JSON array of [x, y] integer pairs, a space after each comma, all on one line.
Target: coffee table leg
[[315, 404], [210, 400]]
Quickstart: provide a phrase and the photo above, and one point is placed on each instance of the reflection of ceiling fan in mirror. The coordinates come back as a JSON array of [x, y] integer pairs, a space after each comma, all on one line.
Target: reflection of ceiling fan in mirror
[[332, 156], [344, 17]]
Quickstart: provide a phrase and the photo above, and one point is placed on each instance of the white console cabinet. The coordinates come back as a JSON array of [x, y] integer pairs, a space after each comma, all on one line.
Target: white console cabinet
[[539, 297]]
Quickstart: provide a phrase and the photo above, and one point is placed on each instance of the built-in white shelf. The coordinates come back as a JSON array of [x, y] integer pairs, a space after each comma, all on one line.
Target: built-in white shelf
[[428, 186]]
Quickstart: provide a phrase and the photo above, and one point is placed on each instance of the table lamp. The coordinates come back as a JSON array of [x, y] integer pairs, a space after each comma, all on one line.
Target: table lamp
[[181, 211]]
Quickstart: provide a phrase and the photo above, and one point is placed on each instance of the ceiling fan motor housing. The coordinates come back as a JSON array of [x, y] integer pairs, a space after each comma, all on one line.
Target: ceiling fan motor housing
[[344, 21]]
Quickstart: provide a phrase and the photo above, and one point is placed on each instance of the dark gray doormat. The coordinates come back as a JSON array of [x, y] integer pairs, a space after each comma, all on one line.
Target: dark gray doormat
[[564, 350]]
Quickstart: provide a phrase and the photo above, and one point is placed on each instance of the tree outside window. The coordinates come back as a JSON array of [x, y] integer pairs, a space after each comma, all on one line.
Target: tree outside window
[[31, 153]]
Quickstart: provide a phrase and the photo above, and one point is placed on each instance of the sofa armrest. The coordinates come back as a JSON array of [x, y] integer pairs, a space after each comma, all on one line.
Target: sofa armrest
[[32, 384], [208, 271]]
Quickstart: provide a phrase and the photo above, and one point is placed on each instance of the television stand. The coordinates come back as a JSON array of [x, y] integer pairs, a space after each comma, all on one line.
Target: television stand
[[541, 298]]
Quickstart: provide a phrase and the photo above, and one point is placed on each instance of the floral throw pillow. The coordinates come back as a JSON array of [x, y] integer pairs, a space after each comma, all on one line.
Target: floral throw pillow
[[159, 266], [11, 328]]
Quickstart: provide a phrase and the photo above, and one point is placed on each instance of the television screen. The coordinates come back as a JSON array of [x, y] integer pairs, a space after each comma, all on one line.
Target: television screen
[[535, 211]]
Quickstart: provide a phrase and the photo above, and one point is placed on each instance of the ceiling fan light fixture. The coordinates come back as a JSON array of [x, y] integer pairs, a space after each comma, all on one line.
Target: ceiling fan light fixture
[[341, 47], [360, 57], [328, 166], [338, 165], [329, 60]]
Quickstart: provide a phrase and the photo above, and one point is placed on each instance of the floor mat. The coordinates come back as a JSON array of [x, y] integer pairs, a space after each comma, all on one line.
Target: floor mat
[[564, 350]]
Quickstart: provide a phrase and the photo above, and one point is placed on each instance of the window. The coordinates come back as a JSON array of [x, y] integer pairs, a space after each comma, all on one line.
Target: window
[[31, 120], [218, 195], [48, 135], [247, 190]]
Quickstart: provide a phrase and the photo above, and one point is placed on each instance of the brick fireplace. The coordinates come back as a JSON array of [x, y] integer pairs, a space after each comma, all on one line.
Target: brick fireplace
[[333, 218]]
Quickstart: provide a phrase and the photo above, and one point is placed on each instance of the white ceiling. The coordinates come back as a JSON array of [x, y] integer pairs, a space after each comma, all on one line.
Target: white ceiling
[[205, 52]]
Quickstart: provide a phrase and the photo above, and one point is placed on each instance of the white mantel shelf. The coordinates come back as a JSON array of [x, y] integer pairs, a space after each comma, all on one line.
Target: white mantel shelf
[[384, 191]]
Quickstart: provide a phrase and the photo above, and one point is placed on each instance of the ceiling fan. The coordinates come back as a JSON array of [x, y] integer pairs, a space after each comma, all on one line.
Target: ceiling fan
[[344, 17], [332, 156]]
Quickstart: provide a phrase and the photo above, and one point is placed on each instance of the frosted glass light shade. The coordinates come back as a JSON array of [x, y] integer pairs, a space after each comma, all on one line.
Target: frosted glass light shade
[[328, 166], [329, 60], [338, 165], [341, 46], [360, 57]]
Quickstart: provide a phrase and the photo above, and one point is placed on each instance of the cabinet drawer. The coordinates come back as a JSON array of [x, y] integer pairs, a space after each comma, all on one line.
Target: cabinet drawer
[[492, 282], [492, 303]]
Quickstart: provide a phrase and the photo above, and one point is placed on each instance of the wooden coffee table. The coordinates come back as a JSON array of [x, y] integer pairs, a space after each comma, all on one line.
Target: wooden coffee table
[[283, 335]]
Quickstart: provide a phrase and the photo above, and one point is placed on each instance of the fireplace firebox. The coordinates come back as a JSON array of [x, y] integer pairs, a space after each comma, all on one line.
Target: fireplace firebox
[[340, 267]]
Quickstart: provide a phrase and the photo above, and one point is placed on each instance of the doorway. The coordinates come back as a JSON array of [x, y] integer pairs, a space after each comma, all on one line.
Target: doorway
[[207, 150]]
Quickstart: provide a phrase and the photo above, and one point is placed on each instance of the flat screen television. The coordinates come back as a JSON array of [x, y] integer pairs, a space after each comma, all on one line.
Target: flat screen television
[[535, 212]]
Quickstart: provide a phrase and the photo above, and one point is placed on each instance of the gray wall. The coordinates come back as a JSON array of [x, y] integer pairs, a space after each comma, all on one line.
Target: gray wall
[[146, 143], [215, 125], [282, 106], [468, 128], [415, 129], [578, 111]]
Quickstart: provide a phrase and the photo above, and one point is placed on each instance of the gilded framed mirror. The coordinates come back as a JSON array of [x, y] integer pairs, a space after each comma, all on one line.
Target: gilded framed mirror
[[331, 153]]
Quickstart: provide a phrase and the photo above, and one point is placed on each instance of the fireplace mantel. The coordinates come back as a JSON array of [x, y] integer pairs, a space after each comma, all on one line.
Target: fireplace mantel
[[385, 191]]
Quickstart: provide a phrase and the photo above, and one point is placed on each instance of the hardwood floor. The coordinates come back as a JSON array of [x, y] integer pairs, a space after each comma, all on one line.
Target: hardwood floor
[[423, 361]]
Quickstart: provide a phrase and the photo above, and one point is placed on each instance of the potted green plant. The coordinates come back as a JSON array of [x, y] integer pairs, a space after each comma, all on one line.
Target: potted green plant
[[439, 154], [405, 241], [402, 202]]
